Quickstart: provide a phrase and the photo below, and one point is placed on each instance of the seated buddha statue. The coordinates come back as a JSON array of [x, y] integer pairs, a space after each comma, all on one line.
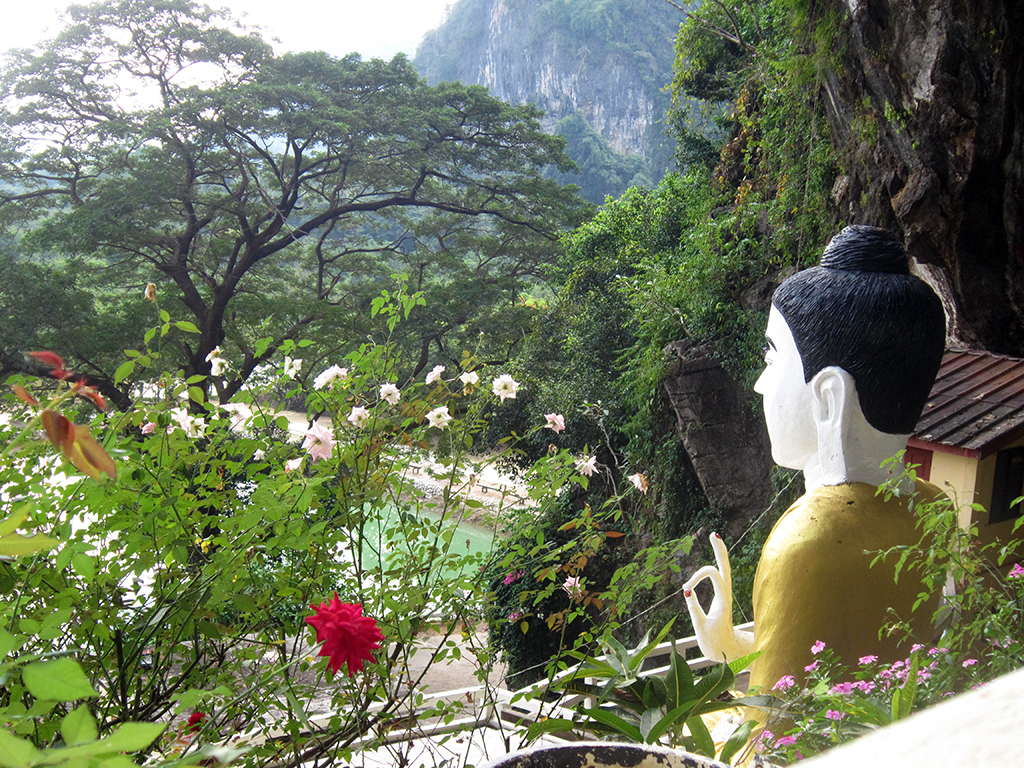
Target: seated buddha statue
[[853, 347]]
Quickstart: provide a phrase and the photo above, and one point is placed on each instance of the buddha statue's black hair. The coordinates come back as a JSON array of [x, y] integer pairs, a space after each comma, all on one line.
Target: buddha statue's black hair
[[863, 311]]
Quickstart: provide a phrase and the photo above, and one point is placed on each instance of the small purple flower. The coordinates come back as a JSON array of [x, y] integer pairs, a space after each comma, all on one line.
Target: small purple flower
[[785, 741], [817, 648], [785, 683], [885, 674], [1017, 571], [916, 647], [766, 735], [969, 663], [865, 686], [515, 616], [811, 667], [833, 715], [512, 577], [843, 689], [865, 660]]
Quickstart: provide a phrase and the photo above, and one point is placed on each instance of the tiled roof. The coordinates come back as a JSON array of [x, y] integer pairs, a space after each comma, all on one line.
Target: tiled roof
[[977, 404]]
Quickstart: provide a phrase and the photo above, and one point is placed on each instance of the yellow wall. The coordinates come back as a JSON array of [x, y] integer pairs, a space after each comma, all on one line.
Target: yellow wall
[[968, 481], [956, 475]]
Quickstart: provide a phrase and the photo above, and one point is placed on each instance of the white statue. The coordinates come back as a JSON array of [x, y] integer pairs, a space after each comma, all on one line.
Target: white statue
[[853, 347]]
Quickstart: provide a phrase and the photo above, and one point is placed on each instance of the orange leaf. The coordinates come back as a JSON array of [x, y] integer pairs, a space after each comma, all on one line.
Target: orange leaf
[[60, 431], [52, 359], [96, 397], [89, 457], [23, 395], [613, 534]]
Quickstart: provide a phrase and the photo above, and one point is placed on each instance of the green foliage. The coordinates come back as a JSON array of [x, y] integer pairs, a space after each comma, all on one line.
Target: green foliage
[[532, 620], [182, 585], [649, 708], [273, 196], [984, 617], [603, 172]]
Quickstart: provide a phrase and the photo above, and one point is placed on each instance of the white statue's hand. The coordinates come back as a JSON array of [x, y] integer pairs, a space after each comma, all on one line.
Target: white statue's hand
[[716, 636]]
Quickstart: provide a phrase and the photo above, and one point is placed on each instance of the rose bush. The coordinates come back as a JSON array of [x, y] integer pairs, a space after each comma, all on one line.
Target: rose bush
[[183, 585]]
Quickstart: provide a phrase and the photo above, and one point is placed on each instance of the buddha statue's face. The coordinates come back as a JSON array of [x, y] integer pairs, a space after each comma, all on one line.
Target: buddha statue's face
[[788, 401]]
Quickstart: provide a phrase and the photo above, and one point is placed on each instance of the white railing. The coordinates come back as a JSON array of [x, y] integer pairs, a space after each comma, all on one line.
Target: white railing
[[485, 706]]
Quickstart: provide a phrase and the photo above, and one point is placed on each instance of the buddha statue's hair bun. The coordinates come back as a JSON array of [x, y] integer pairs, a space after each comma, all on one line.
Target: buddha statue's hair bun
[[860, 248]]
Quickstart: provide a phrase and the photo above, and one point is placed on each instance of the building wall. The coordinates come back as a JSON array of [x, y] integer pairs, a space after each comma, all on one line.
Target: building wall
[[968, 481], [957, 476]]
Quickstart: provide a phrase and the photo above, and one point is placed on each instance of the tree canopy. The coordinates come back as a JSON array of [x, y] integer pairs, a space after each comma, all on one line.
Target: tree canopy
[[268, 195]]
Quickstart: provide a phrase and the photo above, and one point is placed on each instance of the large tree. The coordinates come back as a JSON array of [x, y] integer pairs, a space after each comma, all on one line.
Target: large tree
[[269, 195]]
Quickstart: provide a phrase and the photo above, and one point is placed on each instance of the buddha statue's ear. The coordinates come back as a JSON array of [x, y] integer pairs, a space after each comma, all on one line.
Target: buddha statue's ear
[[834, 396]]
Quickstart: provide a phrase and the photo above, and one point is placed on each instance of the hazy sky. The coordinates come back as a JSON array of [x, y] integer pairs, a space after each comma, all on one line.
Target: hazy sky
[[374, 28]]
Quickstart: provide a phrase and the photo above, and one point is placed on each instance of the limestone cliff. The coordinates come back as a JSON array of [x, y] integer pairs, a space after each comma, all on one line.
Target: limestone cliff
[[927, 111], [607, 62]]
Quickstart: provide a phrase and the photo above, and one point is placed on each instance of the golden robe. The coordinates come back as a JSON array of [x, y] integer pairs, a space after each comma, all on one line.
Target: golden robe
[[815, 581]]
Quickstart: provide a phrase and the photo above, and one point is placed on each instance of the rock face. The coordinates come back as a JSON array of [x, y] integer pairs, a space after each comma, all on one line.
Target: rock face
[[928, 109], [725, 438], [568, 58]]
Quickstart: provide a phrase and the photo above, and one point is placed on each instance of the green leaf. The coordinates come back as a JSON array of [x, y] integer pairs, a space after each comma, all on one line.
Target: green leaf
[[195, 394], [78, 726], [615, 723], [57, 680], [165, 316], [15, 544], [645, 648], [16, 518], [551, 725], [244, 603], [15, 752], [655, 692], [132, 737], [702, 736], [903, 702], [9, 642], [678, 682], [743, 662], [737, 741], [715, 682], [84, 565], [124, 370], [186, 326], [647, 721]]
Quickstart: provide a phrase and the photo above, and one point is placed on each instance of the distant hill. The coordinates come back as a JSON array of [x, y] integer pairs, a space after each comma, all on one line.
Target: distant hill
[[597, 68]]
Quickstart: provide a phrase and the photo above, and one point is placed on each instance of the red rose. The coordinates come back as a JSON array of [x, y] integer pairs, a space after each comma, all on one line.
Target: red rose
[[346, 634], [195, 721]]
